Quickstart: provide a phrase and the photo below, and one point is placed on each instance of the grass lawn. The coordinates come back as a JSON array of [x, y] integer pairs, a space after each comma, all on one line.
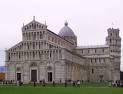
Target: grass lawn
[[59, 90]]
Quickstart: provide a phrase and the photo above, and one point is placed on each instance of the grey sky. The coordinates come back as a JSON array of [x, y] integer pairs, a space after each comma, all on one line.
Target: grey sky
[[89, 19]]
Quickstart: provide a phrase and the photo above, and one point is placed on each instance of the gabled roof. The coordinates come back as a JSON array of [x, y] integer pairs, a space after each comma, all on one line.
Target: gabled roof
[[34, 25], [15, 46]]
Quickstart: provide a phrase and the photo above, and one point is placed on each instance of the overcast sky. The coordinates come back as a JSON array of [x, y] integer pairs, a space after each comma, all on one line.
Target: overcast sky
[[89, 19]]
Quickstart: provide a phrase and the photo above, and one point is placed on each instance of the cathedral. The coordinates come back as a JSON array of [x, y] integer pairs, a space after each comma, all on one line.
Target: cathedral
[[45, 55]]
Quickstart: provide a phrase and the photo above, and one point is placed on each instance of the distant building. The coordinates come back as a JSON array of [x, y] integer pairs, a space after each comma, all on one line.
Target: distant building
[[2, 73], [45, 55]]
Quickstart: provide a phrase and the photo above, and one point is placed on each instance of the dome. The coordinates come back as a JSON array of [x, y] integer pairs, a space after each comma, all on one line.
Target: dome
[[66, 31]]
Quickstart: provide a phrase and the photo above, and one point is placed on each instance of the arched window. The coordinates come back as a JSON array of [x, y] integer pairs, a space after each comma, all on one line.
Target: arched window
[[92, 71], [33, 54], [110, 41], [82, 51], [88, 50], [33, 45], [34, 35], [95, 50], [9, 57], [111, 34], [103, 50], [37, 25], [30, 27], [27, 46], [19, 55], [50, 54], [40, 35]]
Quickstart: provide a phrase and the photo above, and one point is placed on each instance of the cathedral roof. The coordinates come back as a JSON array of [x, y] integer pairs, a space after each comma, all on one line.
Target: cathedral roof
[[66, 31], [97, 56], [92, 46]]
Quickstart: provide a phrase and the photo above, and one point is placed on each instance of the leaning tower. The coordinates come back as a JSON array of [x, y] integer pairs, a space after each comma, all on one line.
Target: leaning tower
[[114, 41]]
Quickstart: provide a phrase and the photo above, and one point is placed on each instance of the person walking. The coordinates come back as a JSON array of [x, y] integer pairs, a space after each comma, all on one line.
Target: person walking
[[53, 83], [65, 84], [34, 84], [78, 83]]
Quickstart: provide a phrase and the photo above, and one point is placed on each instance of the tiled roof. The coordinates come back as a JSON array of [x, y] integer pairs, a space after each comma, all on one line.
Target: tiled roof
[[92, 46]]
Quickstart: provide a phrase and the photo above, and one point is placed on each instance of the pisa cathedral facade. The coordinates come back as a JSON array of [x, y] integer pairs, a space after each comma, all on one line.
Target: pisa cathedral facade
[[44, 55]]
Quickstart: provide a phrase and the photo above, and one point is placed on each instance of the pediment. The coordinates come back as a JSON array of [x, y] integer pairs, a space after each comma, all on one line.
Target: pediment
[[33, 25]]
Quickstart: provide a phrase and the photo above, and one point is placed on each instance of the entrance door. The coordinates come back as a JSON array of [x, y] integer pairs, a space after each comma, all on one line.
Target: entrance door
[[33, 75], [18, 76], [49, 76]]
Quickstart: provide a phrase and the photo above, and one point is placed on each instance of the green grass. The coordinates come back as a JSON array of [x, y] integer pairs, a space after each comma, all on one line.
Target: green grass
[[59, 90]]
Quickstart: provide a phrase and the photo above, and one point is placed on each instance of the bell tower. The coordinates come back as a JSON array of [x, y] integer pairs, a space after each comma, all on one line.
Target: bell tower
[[114, 41]]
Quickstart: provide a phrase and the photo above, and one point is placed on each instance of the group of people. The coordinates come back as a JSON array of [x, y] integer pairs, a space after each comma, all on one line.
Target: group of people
[[117, 83], [53, 83], [5, 82], [76, 83], [43, 83]]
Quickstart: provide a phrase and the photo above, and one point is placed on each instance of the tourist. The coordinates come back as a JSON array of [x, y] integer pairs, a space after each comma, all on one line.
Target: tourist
[[73, 83], [53, 83], [44, 84], [65, 83], [34, 84], [78, 83]]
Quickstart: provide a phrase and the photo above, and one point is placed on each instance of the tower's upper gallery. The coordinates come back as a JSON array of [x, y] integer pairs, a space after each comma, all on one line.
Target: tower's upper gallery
[[33, 25]]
